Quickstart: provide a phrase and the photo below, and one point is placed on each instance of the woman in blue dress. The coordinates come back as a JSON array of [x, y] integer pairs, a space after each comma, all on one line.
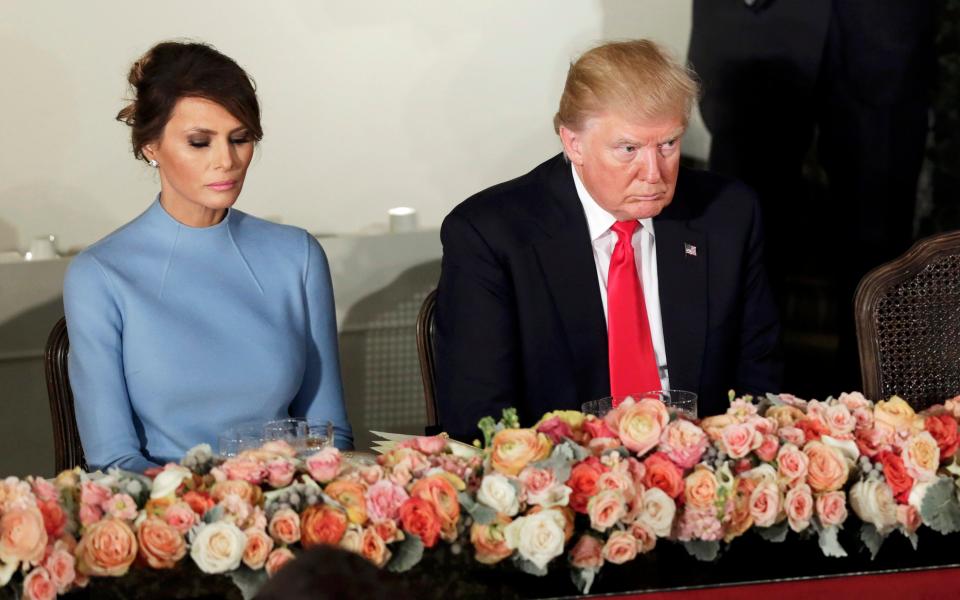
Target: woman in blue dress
[[195, 317]]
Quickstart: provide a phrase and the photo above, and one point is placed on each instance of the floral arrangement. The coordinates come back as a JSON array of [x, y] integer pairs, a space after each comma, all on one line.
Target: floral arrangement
[[575, 488]]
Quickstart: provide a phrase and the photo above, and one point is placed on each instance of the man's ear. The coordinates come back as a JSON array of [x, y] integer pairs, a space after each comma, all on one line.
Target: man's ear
[[572, 145]]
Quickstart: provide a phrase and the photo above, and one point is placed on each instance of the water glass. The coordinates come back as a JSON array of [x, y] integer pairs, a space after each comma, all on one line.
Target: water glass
[[682, 402], [319, 435], [291, 430], [233, 441]]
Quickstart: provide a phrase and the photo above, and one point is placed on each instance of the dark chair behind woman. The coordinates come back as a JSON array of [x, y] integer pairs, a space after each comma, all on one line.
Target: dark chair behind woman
[[426, 349], [908, 324], [68, 452]]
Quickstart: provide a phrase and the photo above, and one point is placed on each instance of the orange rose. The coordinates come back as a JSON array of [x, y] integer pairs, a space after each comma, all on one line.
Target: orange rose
[[161, 545], [418, 517], [583, 481], [438, 491], [351, 495], [259, 545], [662, 473], [200, 502], [700, 489], [285, 526], [489, 541], [322, 524], [107, 549], [827, 470], [373, 548], [514, 449], [23, 536], [388, 532], [246, 491]]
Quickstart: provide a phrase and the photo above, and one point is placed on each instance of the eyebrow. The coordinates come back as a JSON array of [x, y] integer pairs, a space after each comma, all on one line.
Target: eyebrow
[[212, 132], [672, 136]]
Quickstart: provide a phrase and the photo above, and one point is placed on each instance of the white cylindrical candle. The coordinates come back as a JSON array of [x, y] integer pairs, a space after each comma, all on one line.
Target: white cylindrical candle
[[403, 219]]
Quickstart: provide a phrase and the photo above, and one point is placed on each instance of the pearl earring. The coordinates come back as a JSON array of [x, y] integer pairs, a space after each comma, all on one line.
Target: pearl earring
[[153, 163]]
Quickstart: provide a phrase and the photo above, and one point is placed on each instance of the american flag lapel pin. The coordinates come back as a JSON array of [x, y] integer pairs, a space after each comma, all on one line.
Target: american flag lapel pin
[[689, 249]]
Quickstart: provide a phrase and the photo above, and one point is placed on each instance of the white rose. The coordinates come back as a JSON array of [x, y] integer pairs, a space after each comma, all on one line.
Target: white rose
[[167, 482], [352, 540], [848, 448], [873, 502], [538, 537], [7, 570], [218, 547], [760, 473], [657, 512], [557, 495], [498, 493]]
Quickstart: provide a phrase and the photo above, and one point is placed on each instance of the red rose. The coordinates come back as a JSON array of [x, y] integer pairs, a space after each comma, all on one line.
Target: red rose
[[200, 502], [54, 519], [556, 429], [583, 481], [943, 428], [812, 429], [419, 518], [896, 474], [662, 473]]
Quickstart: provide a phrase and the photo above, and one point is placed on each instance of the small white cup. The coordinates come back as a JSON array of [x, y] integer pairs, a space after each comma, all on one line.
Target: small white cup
[[42, 248], [403, 219]]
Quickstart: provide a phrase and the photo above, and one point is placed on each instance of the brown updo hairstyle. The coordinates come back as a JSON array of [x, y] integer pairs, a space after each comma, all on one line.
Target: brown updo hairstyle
[[173, 70]]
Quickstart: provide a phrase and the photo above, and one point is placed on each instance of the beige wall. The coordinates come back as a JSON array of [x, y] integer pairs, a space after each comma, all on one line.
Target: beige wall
[[366, 105]]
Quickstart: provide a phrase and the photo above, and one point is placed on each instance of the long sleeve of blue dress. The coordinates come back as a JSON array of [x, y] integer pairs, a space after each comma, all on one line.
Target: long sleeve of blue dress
[[179, 333]]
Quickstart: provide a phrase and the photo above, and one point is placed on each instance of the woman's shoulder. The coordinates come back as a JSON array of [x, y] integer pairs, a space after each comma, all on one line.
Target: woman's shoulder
[[281, 242]]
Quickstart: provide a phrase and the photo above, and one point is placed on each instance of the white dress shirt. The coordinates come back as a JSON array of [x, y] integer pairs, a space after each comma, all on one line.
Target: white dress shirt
[[604, 240]]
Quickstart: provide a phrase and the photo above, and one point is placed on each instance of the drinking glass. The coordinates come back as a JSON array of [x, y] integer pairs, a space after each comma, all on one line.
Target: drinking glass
[[319, 435], [292, 430], [680, 401], [246, 436]]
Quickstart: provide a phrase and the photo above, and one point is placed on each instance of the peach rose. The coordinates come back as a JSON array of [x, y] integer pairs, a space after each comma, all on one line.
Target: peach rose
[[23, 536], [798, 505], [827, 470], [181, 517], [276, 560], [351, 495], [280, 473], [832, 508], [740, 518], [605, 509], [714, 426], [107, 549], [792, 435], [739, 439], [418, 517], [247, 492], [684, 443], [244, 469], [768, 448], [324, 465], [785, 415], [161, 545], [38, 585], [840, 421], [514, 449], [284, 527], [700, 489], [258, 548], [322, 524], [61, 565], [388, 531], [438, 490], [384, 499], [921, 456], [639, 424], [372, 547], [765, 503], [646, 540], [662, 473], [489, 541], [895, 414], [621, 547], [792, 463]]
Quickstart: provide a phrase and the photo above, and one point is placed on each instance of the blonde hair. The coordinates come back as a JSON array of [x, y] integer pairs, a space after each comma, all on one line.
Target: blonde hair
[[636, 78]]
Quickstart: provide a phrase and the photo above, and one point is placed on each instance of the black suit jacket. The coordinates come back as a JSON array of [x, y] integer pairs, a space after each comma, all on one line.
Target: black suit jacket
[[519, 316]]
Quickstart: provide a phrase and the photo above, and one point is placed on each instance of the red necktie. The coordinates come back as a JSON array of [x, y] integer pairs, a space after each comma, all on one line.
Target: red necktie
[[633, 365]]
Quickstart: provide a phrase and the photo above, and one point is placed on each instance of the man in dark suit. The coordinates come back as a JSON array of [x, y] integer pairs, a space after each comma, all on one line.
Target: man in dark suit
[[608, 268]]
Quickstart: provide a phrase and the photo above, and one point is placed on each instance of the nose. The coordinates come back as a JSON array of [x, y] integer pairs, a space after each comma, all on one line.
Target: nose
[[225, 156], [648, 168]]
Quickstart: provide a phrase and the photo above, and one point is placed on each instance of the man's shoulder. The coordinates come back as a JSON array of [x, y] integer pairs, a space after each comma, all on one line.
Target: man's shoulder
[[711, 196]]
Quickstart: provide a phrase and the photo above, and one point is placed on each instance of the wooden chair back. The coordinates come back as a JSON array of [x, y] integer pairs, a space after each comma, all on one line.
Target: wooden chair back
[[68, 452]]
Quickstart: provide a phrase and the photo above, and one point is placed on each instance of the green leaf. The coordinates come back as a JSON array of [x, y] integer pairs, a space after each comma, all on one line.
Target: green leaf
[[871, 538], [528, 567], [213, 515], [248, 581], [774, 399], [940, 509], [406, 555], [775, 533], [560, 460], [914, 541], [481, 513], [701, 550], [829, 543], [583, 579]]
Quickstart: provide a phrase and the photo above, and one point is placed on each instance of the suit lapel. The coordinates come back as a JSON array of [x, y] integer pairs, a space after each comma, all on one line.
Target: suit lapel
[[566, 258], [682, 275]]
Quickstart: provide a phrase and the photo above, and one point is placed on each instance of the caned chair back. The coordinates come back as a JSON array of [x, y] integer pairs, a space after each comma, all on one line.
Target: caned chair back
[[908, 324], [426, 326], [68, 452]]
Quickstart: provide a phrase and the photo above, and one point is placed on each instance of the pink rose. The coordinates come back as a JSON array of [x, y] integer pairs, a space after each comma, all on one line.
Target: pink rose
[[280, 473], [370, 474], [605, 509], [619, 480], [276, 560], [181, 517], [792, 435], [556, 429], [646, 539], [434, 444], [324, 465], [739, 439], [853, 401], [94, 494], [384, 499], [598, 428], [639, 424], [863, 417], [908, 517], [285, 526], [61, 565], [537, 481], [768, 448], [832, 508], [840, 421], [23, 536], [244, 469], [587, 553], [765, 503], [121, 506], [89, 514], [258, 548], [621, 547], [44, 490], [799, 507], [684, 443], [38, 585], [792, 463]]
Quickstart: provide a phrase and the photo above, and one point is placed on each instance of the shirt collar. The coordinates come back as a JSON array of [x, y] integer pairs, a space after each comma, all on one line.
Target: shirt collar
[[599, 221]]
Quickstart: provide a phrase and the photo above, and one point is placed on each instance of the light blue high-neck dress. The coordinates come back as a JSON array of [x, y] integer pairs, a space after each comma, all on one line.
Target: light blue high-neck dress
[[178, 333]]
